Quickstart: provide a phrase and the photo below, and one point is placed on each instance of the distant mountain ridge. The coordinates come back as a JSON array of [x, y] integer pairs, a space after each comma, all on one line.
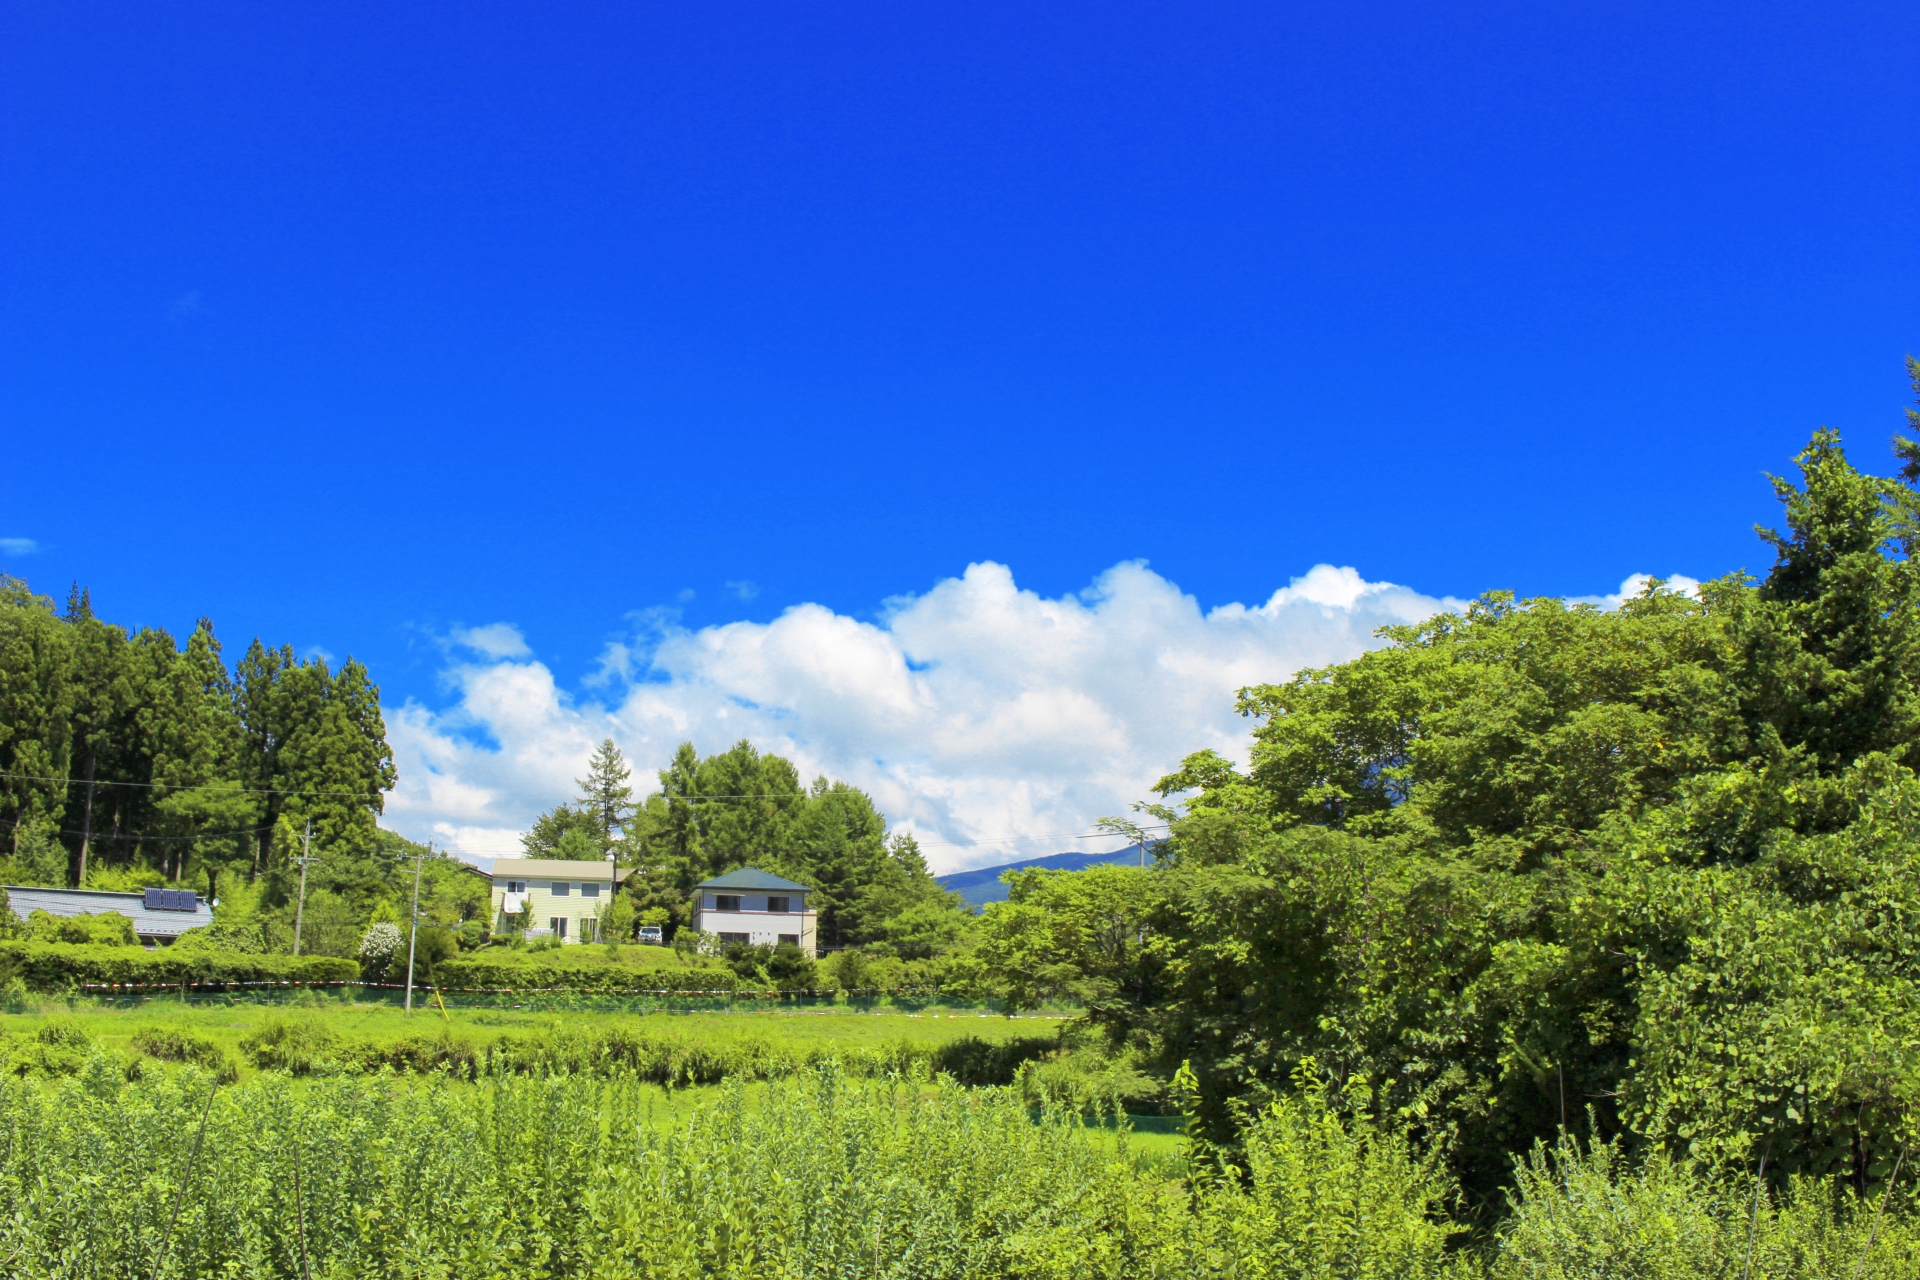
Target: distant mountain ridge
[[982, 884]]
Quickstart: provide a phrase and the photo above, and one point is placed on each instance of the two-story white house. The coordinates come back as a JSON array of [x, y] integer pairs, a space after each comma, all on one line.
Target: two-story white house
[[753, 907], [565, 897]]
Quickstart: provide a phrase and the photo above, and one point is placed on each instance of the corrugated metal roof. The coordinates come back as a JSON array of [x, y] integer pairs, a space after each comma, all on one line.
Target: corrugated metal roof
[[753, 878], [551, 869], [147, 922]]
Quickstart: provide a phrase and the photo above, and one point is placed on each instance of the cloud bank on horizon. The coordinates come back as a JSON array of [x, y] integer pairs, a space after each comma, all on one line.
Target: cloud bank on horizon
[[992, 722]]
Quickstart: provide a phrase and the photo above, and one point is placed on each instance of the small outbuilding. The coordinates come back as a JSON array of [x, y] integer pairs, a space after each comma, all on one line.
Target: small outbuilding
[[757, 908], [159, 915]]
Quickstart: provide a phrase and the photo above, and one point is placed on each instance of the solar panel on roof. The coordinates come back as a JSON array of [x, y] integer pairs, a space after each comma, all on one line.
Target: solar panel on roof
[[154, 899]]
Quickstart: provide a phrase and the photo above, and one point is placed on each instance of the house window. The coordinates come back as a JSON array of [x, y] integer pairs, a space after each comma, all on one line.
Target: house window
[[561, 888], [789, 939], [777, 904], [726, 902], [516, 886], [730, 938], [589, 890], [559, 926]]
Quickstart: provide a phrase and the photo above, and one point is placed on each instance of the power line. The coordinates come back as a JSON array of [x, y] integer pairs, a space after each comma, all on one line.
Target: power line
[[969, 844], [214, 787], [473, 848], [149, 839]]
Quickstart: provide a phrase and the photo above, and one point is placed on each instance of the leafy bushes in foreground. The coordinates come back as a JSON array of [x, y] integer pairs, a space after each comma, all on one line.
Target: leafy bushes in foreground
[[57, 965], [1589, 1214], [563, 1176], [823, 1176]]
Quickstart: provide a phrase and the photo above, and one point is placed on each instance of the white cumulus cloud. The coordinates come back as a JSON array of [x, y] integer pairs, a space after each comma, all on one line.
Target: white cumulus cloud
[[974, 712], [496, 640]]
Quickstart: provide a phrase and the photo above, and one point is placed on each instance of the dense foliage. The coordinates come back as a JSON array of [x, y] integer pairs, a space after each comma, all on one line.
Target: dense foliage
[[127, 760], [126, 749], [1658, 864]]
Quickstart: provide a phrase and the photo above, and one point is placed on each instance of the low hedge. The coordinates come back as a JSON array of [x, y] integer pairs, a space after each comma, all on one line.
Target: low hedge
[[54, 966], [307, 1046], [483, 972]]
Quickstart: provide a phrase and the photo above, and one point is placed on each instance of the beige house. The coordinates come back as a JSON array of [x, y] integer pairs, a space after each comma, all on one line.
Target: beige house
[[565, 897]]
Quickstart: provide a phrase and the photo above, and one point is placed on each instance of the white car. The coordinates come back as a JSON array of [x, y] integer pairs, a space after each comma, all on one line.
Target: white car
[[650, 935]]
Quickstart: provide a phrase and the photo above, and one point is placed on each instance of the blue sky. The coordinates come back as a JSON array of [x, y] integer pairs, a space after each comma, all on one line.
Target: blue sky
[[367, 327]]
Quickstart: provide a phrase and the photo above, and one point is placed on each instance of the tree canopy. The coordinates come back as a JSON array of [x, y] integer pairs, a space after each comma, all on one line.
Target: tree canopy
[[1657, 865]]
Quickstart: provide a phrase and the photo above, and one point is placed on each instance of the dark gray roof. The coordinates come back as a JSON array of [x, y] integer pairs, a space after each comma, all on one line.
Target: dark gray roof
[[147, 922], [753, 878]]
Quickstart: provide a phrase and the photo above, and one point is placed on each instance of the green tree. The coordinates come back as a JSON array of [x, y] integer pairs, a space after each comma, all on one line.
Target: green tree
[[36, 731], [1533, 861], [604, 792]]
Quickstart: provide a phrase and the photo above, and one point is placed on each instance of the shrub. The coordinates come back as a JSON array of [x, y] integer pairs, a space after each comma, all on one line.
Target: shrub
[[1587, 1213], [973, 1061], [791, 969], [298, 1046], [54, 1049], [108, 928], [420, 1054], [1314, 1193], [172, 1045], [379, 948], [54, 966], [244, 937]]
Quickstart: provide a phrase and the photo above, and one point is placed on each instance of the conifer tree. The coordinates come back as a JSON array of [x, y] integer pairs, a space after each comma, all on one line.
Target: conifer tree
[[605, 793]]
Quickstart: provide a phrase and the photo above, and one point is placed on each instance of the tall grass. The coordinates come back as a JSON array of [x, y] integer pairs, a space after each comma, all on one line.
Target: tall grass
[[517, 1176], [1587, 1213], [819, 1177]]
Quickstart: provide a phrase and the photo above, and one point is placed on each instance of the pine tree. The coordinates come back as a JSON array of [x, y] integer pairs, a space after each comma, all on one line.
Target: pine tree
[[604, 792]]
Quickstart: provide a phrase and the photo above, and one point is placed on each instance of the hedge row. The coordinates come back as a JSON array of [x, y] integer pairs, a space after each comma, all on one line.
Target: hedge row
[[56, 965], [309, 1047], [484, 973]]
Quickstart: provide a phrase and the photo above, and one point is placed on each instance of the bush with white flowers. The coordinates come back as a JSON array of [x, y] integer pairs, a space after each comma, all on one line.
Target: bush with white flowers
[[378, 947]]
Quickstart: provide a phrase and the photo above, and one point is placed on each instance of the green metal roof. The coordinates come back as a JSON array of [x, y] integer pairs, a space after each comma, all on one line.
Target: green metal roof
[[753, 878]]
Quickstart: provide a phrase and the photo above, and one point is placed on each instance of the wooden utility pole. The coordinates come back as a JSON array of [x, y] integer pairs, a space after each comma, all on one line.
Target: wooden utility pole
[[413, 929], [300, 909]]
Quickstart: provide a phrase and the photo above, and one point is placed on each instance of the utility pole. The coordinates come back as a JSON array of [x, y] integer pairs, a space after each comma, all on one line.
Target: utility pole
[[1132, 831], [300, 909], [413, 930], [86, 826]]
